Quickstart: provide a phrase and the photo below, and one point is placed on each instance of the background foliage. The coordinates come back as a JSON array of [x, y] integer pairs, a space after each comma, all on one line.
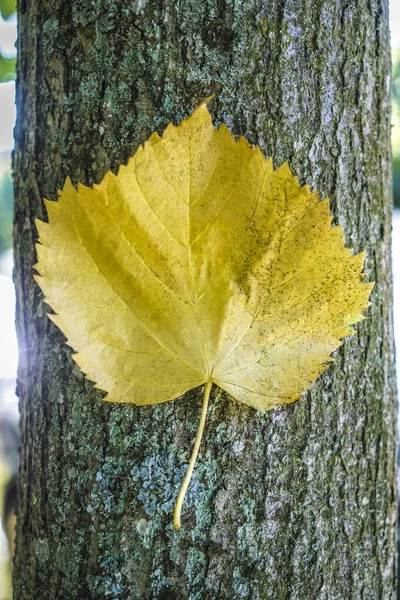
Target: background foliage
[[7, 63], [7, 8], [7, 73], [6, 200]]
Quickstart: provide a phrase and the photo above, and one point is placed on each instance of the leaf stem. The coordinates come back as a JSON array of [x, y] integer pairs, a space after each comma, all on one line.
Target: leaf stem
[[188, 476]]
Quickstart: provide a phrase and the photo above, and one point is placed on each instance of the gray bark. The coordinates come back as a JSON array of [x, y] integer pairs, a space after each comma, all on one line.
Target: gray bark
[[295, 504]]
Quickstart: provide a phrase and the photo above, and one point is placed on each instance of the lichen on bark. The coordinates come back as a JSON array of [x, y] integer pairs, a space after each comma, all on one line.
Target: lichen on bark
[[296, 504]]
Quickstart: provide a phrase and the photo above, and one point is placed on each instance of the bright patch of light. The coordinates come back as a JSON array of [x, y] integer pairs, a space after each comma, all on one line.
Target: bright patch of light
[[8, 340], [7, 115], [395, 23], [396, 285]]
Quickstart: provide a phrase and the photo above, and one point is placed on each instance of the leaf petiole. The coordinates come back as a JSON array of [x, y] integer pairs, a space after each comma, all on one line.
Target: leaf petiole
[[188, 476]]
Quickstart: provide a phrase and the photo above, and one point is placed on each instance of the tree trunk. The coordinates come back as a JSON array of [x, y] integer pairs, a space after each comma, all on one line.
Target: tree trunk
[[295, 504]]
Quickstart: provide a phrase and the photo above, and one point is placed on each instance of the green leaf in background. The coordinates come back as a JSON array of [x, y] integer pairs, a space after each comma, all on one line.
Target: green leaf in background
[[7, 65], [7, 68], [7, 8], [6, 199]]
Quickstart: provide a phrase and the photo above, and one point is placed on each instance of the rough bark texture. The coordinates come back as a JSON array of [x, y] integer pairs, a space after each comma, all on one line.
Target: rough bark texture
[[295, 504]]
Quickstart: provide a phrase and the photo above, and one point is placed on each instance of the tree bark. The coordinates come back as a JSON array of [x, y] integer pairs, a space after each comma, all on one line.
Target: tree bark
[[295, 504]]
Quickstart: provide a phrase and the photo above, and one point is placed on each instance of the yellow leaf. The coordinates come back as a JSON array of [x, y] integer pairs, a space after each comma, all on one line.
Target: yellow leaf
[[197, 264]]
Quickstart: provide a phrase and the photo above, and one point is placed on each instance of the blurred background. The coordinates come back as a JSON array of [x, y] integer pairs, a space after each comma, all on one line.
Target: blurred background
[[8, 343]]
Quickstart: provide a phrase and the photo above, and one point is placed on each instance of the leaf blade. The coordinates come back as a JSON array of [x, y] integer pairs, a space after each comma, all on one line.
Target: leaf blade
[[199, 262]]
